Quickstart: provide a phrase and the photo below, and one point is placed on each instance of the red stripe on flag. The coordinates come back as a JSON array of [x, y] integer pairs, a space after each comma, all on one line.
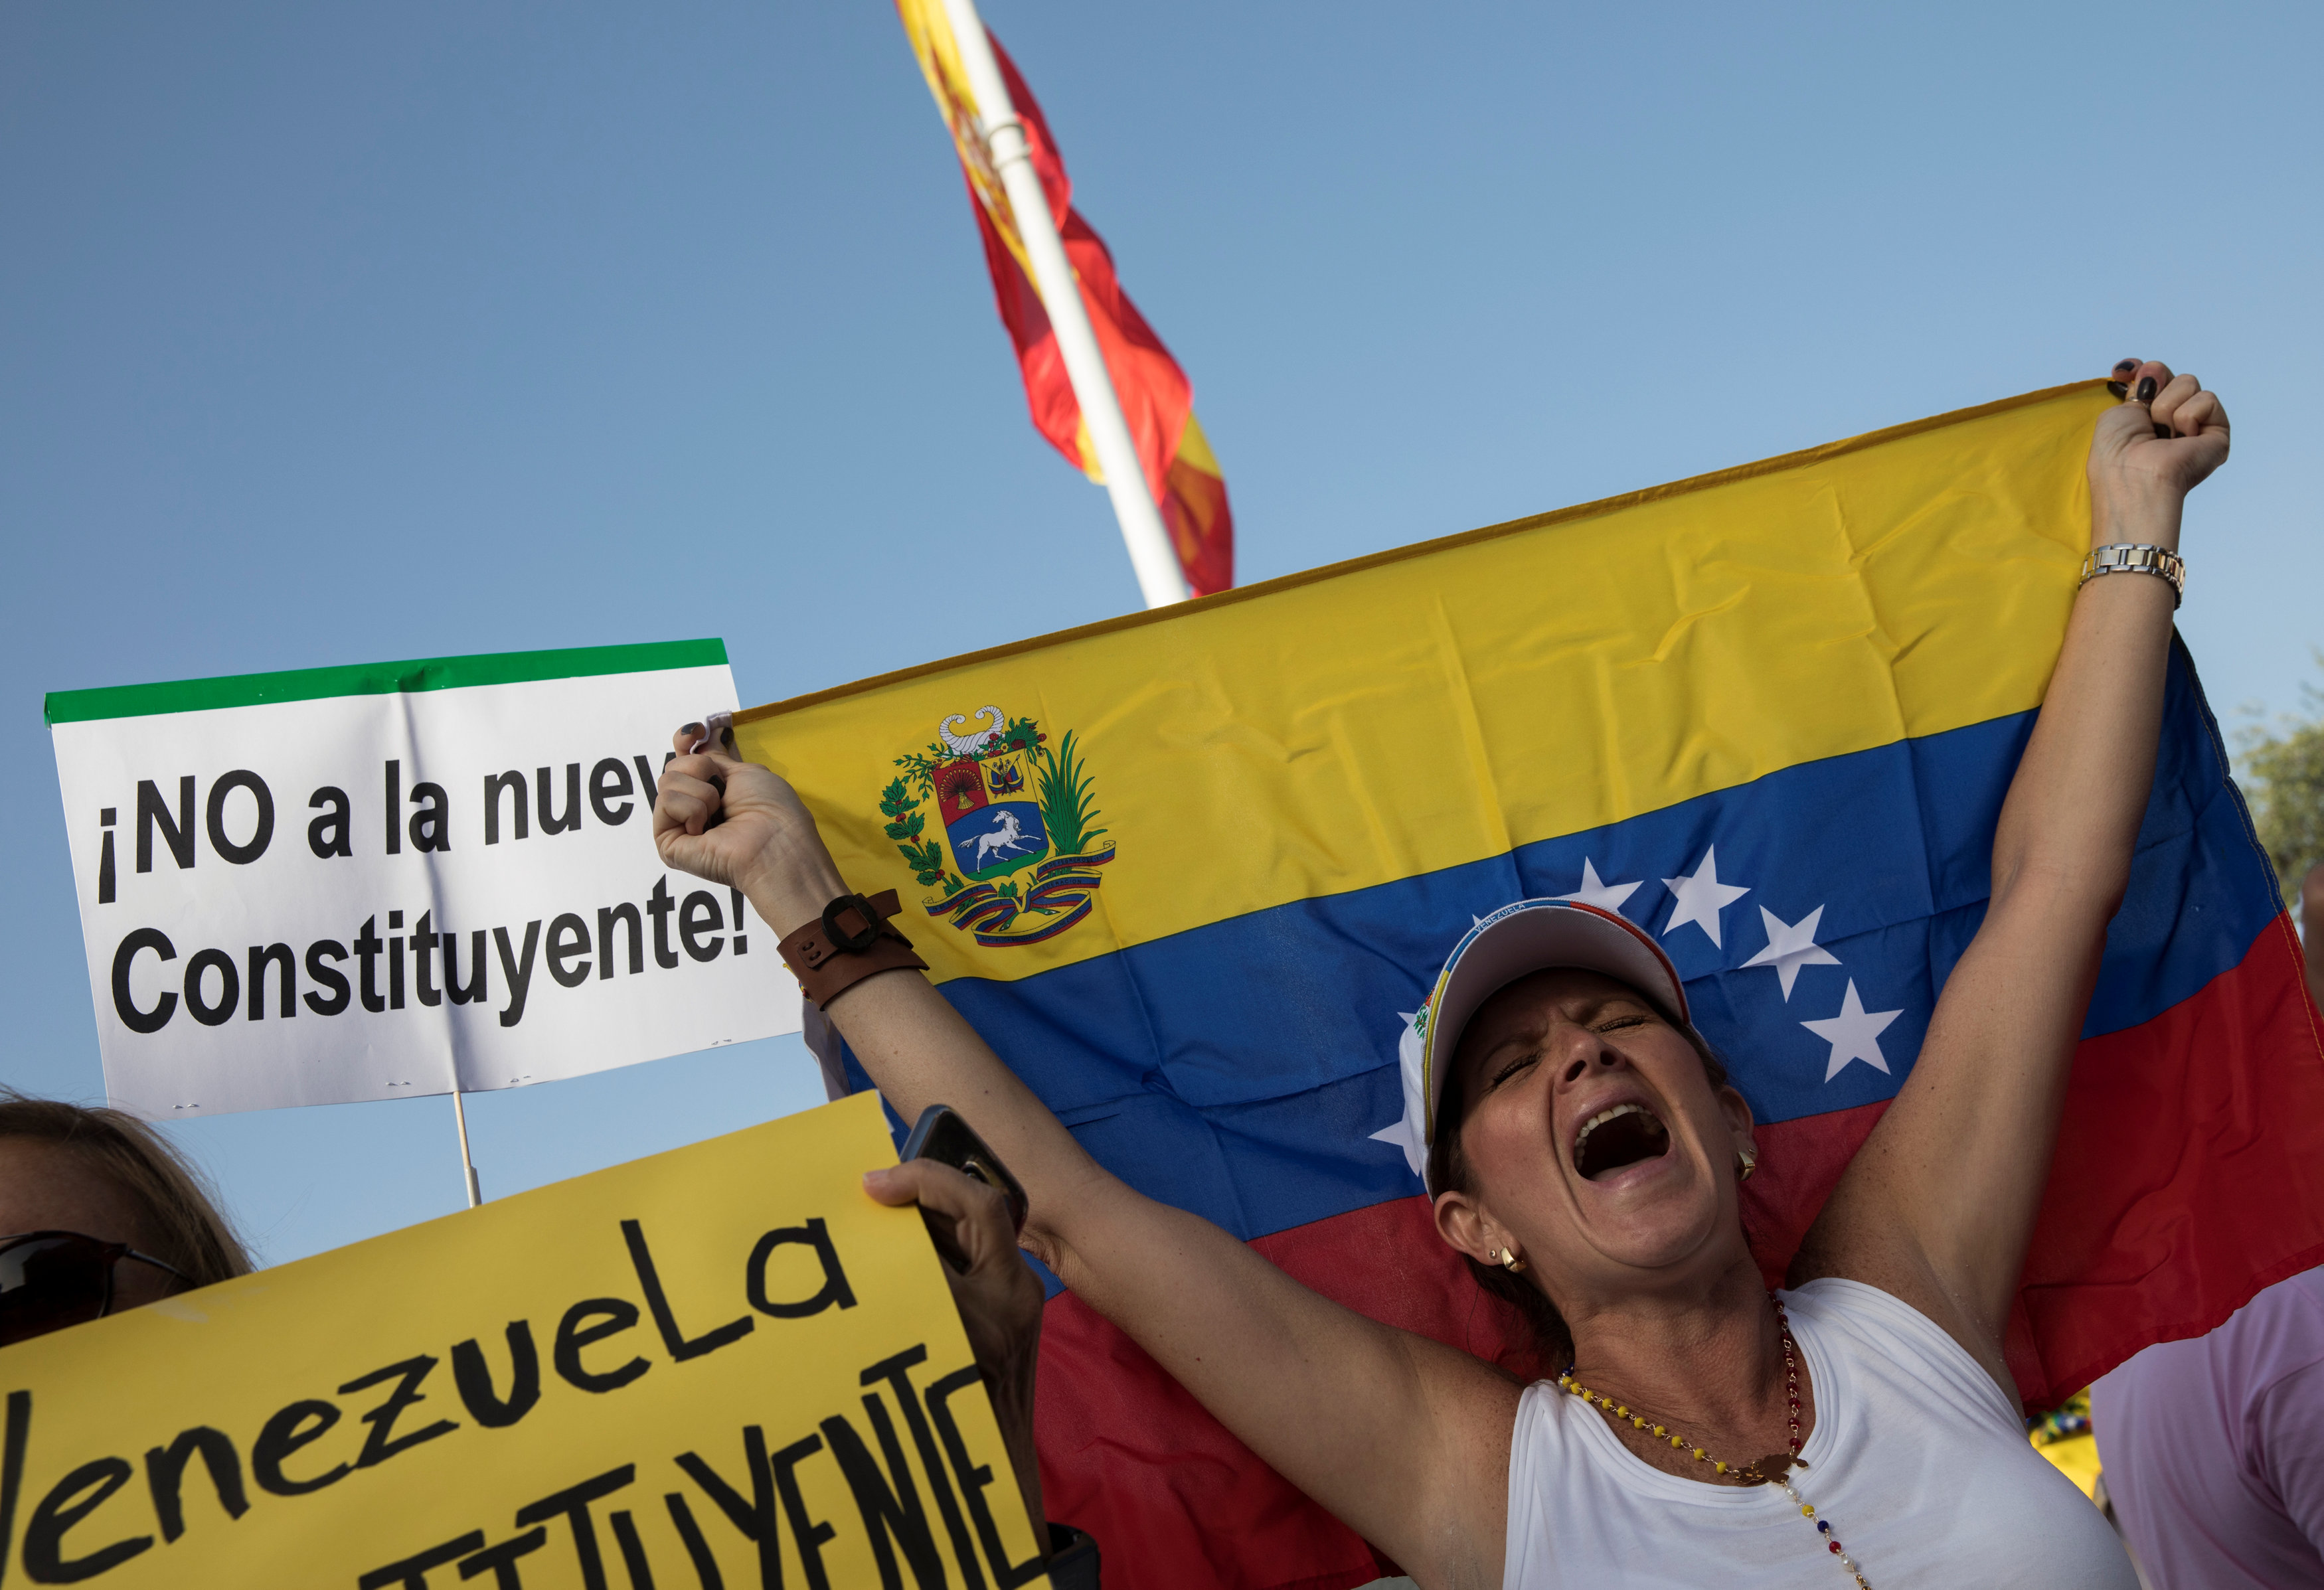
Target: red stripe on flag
[[2178, 1190], [1202, 527], [2141, 1239], [1800, 1163], [1154, 395], [1153, 390]]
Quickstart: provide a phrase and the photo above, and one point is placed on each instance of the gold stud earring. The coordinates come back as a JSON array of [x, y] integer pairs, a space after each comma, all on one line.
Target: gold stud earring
[[1747, 1160], [1512, 1263]]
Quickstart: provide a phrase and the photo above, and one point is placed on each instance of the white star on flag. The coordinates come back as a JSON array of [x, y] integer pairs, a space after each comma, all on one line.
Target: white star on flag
[[1606, 897], [1410, 1133], [1854, 1033], [1701, 897], [1791, 946]]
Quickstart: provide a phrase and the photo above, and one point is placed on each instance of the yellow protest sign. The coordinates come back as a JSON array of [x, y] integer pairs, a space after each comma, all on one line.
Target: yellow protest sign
[[724, 1367]]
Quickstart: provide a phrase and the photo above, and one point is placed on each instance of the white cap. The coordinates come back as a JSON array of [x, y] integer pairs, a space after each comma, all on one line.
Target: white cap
[[1523, 938]]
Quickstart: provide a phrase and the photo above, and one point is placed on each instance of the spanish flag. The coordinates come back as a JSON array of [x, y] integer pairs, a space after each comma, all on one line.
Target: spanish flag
[[1192, 872], [1157, 400]]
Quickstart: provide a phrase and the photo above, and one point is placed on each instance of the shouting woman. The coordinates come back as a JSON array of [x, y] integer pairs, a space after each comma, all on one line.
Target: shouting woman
[[1585, 1149]]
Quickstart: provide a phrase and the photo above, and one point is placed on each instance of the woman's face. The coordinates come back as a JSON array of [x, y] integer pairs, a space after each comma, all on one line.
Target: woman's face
[[47, 1187], [1598, 1147]]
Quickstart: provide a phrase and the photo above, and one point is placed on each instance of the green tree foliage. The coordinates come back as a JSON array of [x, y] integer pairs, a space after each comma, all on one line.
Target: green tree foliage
[[2282, 778]]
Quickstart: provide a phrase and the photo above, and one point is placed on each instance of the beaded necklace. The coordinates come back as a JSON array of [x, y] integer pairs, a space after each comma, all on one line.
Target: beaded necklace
[[1771, 1470]]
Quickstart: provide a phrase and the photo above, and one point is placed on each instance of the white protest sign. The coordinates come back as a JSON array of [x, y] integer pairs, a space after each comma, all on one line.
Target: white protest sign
[[358, 883]]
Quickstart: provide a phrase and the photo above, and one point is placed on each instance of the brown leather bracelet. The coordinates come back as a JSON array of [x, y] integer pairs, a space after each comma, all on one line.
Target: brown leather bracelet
[[850, 941]]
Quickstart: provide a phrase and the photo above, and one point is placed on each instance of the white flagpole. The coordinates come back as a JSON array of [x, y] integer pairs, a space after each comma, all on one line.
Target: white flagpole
[[1159, 577], [460, 1119]]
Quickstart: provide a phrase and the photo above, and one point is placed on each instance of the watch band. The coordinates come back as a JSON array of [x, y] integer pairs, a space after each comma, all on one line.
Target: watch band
[[850, 941], [2125, 557]]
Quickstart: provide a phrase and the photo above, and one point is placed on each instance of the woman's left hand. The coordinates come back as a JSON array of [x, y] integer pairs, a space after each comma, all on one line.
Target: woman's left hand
[[999, 1298], [2159, 443], [1938, 1207]]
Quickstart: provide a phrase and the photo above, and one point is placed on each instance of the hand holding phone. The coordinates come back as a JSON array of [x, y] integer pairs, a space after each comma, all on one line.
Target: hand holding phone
[[994, 1288], [943, 1136]]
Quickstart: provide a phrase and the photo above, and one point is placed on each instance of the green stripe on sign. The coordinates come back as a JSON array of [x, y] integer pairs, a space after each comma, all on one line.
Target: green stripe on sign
[[440, 673]]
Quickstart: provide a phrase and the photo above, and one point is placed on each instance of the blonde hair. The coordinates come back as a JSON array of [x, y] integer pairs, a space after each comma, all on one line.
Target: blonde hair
[[175, 1201]]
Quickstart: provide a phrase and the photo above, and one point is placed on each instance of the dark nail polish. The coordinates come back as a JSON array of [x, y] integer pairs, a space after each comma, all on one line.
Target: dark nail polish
[[2117, 389], [2162, 430], [691, 731], [2146, 391], [2125, 366]]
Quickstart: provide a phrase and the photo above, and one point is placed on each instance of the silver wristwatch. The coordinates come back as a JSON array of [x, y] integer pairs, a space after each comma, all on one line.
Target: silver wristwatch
[[2124, 558]]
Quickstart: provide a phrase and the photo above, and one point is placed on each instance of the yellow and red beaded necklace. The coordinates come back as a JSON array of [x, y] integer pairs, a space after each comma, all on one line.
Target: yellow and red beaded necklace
[[1771, 1470]]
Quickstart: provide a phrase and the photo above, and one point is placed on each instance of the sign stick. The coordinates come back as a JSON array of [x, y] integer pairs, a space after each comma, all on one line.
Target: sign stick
[[1159, 578], [460, 1119]]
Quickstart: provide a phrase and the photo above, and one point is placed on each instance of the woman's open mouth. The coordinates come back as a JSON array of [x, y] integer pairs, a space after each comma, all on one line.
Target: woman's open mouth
[[1618, 1136]]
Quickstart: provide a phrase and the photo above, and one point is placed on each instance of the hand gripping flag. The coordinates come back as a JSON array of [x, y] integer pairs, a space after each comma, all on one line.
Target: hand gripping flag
[[1192, 872], [1157, 400]]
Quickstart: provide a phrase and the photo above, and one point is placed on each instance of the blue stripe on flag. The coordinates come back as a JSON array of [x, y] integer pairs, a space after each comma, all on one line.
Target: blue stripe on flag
[[1241, 1069]]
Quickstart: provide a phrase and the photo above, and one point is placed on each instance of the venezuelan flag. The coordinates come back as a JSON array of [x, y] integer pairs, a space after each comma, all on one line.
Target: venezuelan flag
[[1190, 872], [1157, 400]]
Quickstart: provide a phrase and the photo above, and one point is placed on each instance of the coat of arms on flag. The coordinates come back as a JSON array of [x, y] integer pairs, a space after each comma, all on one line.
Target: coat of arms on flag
[[1017, 853]]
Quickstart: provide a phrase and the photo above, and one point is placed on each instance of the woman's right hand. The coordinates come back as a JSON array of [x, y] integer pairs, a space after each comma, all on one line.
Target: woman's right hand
[[740, 824]]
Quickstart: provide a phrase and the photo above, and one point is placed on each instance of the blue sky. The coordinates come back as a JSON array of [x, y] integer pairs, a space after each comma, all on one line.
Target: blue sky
[[330, 335]]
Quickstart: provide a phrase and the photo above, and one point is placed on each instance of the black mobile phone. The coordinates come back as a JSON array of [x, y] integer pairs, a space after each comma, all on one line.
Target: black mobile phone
[[941, 1135]]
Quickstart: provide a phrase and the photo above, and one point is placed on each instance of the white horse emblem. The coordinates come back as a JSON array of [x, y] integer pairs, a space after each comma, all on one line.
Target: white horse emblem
[[1006, 835]]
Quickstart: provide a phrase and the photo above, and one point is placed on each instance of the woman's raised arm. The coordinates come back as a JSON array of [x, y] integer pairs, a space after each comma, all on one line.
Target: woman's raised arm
[[1939, 1205], [1403, 1439]]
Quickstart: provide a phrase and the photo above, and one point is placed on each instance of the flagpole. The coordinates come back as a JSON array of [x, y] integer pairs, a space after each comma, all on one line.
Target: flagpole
[[1151, 555], [460, 1119]]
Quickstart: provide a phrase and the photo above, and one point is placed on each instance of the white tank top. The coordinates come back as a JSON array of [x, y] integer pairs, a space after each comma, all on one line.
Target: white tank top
[[1917, 1459]]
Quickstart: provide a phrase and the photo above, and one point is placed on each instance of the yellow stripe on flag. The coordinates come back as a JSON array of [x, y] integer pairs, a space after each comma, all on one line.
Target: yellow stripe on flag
[[933, 46], [1195, 448], [1440, 705]]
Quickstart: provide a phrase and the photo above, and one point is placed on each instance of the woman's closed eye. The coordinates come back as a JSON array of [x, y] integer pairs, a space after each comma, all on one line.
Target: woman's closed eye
[[1514, 1066]]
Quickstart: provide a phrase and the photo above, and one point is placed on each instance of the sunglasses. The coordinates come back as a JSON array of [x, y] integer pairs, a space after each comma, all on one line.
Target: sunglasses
[[53, 1279]]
